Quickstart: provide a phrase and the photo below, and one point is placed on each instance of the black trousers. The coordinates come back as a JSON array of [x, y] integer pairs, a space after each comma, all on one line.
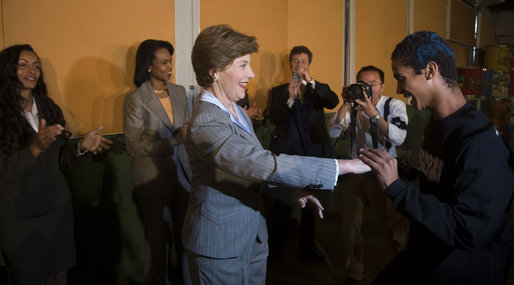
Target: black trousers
[[279, 228]]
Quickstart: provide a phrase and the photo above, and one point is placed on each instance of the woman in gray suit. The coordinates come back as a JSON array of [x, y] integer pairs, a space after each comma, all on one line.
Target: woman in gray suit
[[155, 123], [224, 231]]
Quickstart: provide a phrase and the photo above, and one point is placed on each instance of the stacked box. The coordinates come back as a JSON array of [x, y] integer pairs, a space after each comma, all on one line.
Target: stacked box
[[498, 58], [500, 84], [511, 83], [460, 77], [498, 114], [487, 83], [470, 81], [485, 106]]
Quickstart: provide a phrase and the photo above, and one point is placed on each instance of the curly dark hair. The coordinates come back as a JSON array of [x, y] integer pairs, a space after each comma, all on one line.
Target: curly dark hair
[[215, 48], [299, 50], [420, 48], [145, 55], [15, 131]]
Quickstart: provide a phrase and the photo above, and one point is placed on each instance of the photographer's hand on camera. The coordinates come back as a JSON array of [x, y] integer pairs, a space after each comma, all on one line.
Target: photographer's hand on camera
[[367, 106]]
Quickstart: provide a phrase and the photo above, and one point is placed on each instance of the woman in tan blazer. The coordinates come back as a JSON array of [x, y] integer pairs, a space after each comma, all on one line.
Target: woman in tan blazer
[[155, 122]]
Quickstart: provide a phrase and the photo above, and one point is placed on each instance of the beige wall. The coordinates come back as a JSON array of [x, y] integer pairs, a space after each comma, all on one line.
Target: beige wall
[[380, 25], [1, 25], [88, 50], [324, 37], [279, 25], [430, 15], [462, 31], [88, 47]]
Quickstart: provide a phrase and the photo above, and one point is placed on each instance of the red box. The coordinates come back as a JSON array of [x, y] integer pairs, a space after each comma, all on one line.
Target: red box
[[470, 81]]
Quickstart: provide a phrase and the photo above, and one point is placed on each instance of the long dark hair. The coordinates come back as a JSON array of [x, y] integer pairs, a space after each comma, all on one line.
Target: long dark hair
[[144, 56], [15, 131]]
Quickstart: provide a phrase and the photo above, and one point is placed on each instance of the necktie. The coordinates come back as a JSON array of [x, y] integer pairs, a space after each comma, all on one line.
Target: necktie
[[301, 92]]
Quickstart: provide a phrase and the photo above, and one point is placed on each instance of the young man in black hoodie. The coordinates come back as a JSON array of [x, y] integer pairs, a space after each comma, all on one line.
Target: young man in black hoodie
[[460, 226]]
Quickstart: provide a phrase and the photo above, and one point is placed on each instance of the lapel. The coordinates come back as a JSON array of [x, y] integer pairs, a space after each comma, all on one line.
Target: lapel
[[178, 104], [242, 131], [153, 103]]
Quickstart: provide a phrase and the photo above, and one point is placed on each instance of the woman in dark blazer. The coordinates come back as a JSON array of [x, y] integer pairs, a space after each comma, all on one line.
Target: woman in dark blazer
[[155, 122], [36, 217]]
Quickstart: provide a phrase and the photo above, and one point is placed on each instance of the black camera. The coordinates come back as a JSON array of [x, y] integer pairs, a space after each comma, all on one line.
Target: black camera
[[356, 91]]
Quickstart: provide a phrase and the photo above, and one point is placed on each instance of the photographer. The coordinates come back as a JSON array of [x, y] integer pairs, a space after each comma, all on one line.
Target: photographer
[[373, 121]]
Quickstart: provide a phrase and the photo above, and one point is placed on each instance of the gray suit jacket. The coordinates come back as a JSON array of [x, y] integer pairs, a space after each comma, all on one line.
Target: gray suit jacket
[[228, 164], [148, 138]]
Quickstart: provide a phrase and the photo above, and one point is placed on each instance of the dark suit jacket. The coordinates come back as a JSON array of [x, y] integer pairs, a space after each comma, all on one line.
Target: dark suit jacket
[[302, 129], [228, 164], [36, 216], [31, 186], [159, 164]]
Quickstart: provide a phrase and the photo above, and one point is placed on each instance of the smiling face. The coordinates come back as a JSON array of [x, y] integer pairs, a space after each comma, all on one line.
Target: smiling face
[[29, 69], [161, 66], [411, 84], [300, 62], [231, 83]]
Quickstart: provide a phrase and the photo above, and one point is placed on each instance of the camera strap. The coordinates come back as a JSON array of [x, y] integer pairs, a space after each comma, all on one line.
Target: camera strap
[[353, 116], [374, 129]]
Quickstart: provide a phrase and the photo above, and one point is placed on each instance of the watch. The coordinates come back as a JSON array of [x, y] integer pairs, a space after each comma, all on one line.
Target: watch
[[374, 119]]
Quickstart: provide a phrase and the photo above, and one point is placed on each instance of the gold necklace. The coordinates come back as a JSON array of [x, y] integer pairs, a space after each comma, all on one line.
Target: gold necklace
[[161, 91]]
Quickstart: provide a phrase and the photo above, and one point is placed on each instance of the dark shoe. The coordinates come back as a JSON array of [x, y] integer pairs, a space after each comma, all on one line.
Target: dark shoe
[[313, 254], [351, 281]]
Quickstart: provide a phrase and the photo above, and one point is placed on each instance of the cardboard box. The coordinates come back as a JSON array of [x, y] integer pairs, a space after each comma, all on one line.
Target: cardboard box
[[470, 80], [500, 84], [511, 83], [487, 83], [498, 58]]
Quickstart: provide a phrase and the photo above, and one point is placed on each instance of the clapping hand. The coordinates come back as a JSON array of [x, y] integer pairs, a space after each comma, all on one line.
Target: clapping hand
[[94, 142], [45, 137], [253, 112], [180, 135]]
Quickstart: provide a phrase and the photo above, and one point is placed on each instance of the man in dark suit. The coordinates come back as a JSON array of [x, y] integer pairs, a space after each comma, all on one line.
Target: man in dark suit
[[297, 109]]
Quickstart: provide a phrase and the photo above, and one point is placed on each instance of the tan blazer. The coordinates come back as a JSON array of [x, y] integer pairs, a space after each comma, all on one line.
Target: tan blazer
[[158, 163]]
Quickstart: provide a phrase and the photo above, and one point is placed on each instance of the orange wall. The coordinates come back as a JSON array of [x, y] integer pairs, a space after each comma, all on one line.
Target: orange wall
[[88, 50], [324, 37], [1, 25], [430, 15], [88, 47], [380, 25], [279, 25]]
